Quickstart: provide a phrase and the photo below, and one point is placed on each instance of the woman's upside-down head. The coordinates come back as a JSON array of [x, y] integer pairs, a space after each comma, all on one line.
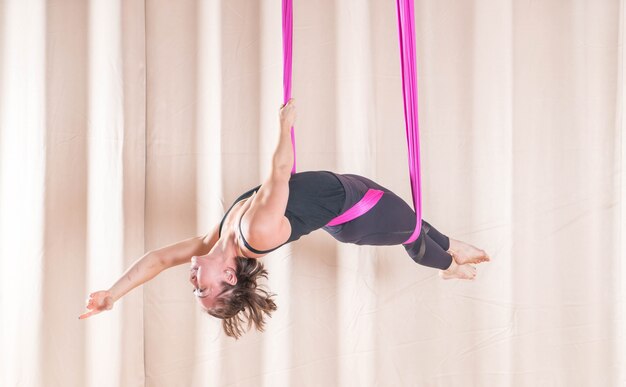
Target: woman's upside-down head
[[245, 302], [234, 295]]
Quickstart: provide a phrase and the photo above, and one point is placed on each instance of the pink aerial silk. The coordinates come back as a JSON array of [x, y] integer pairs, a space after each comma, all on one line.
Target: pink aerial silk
[[287, 56], [406, 32]]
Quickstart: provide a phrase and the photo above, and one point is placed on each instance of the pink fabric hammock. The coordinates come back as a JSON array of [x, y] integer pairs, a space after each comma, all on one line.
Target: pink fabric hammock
[[287, 56], [406, 32]]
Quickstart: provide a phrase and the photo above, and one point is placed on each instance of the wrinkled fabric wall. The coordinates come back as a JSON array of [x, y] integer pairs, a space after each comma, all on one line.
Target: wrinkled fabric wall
[[129, 125]]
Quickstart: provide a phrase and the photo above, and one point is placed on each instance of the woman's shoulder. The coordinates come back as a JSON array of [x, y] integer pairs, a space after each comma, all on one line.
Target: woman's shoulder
[[246, 195]]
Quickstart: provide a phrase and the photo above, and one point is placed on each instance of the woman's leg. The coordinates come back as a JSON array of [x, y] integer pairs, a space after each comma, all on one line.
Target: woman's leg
[[427, 252], [461, 252], [391, 222], [436, 236]]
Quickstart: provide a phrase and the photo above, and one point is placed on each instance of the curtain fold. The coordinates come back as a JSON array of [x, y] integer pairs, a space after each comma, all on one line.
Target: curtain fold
[[129, 125]]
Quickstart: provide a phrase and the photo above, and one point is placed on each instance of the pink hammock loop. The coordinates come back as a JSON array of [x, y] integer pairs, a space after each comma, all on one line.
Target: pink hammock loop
[[406, 32]]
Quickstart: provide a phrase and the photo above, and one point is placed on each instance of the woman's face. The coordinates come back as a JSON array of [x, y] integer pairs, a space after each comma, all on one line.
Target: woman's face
[[208, 273]]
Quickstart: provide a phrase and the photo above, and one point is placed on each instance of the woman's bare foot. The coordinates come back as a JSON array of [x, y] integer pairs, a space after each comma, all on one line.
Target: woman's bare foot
[[456, 271], [463, 253]]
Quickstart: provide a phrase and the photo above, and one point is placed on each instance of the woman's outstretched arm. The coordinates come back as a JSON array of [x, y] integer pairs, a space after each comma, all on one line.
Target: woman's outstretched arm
[[148, 267]]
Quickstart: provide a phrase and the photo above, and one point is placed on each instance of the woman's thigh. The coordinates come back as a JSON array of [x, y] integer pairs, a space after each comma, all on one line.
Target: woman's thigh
[[390, 222]]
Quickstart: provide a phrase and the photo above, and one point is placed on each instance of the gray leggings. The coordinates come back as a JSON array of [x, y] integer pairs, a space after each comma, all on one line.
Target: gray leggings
[[390, 222]]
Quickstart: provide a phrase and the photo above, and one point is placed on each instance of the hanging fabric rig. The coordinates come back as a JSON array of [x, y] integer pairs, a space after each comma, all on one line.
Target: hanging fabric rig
[[406, 34]]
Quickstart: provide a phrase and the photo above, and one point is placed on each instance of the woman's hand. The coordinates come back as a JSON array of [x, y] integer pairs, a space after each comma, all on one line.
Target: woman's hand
[[288, 114], [456, 271], [98, 301]]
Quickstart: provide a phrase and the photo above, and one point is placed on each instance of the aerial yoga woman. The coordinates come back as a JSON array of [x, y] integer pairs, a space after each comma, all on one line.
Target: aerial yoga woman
[[225, 265]]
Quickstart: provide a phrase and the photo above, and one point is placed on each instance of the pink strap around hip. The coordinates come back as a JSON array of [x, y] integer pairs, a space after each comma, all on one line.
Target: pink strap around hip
[[367, 202]]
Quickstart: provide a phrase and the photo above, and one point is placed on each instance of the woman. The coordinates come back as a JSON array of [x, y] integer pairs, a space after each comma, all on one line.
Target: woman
[[224, 263]]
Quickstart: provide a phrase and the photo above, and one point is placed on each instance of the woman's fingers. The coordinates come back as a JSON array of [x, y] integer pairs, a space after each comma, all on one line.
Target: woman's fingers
[[288, 102], [88, 314], [288, 113], [93, 309], [93, 301], [96, 303], [90, 310], [99, 303]]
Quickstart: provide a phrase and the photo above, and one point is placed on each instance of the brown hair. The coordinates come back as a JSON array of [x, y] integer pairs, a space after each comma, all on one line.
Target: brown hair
[[245, 301]]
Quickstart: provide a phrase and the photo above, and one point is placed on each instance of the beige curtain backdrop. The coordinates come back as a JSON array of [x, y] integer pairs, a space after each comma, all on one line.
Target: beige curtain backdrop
[[126, 125]]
